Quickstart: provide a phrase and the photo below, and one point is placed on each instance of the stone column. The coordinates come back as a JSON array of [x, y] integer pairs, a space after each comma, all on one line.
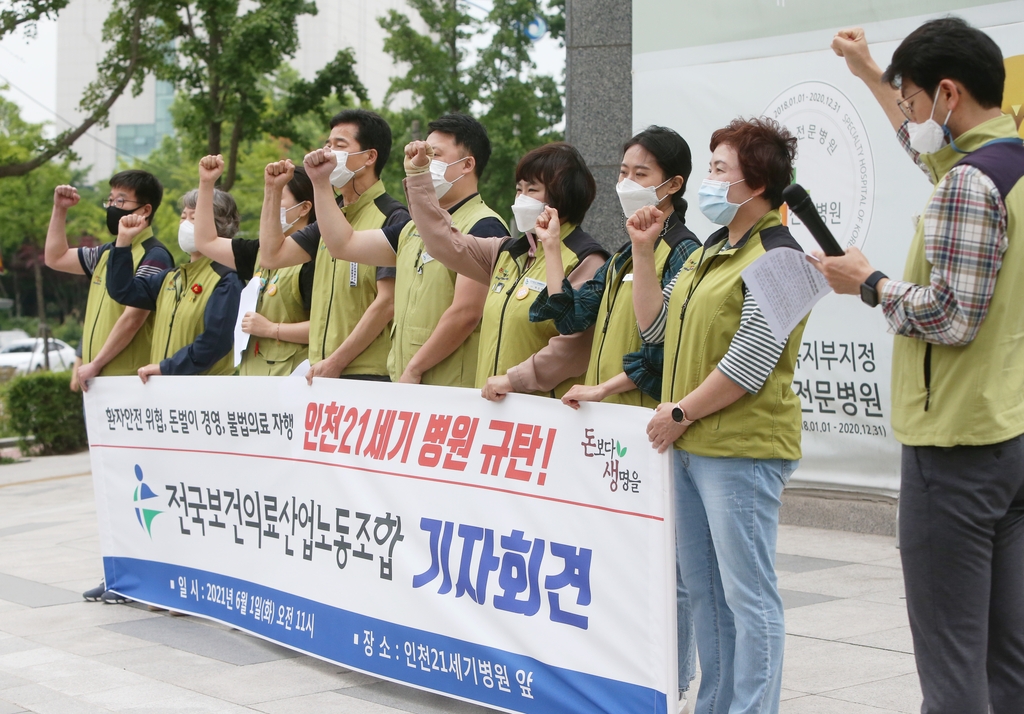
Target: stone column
[[599, 101]]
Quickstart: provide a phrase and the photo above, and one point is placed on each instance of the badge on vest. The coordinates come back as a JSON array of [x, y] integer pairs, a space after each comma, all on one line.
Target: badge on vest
[[498, 287], [528, 285], [353, 274], [425, 258], [627, 278]]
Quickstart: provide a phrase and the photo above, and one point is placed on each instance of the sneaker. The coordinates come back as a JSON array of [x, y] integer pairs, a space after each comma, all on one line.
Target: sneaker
[[112, 598], [684, 705], [95, 593]]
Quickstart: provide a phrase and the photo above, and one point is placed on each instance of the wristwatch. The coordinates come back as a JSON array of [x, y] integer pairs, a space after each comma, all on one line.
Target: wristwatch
[[679, 416], [869, 288]]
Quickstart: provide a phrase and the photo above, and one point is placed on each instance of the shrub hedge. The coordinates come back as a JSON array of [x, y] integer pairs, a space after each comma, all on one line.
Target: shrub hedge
[[42, 404]]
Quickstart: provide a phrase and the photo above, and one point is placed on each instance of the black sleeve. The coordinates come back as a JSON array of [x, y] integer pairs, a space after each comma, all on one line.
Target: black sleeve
[[385, 273], [306, 283], [392, 233], [245, 252], [398, 217], [128, 289], [308, 239], [489, 227]]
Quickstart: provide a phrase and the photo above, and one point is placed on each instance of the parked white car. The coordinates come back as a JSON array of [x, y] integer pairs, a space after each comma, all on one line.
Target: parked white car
[[27, 355]]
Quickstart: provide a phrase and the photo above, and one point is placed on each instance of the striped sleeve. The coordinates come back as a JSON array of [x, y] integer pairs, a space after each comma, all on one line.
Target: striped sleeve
[[753, 352], [655, 334]]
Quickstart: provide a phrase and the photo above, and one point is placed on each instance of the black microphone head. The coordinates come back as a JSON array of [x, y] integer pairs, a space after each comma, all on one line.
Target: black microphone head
[[794, 194]]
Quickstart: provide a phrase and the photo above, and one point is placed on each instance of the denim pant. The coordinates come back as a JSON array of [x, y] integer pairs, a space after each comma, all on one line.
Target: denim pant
[[727, 522], [684, 633]]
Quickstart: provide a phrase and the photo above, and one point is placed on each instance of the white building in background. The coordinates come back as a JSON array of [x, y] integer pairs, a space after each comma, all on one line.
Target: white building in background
[[137, 124]]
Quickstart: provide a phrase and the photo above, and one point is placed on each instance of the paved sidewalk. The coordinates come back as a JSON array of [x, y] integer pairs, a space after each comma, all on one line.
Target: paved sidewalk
[[848, 648]]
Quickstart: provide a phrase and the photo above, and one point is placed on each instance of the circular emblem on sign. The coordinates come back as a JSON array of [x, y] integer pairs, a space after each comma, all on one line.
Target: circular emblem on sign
[[833, 161]]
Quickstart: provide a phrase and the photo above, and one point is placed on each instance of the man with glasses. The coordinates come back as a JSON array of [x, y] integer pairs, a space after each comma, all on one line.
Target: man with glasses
[[115, 339], [958, 362]]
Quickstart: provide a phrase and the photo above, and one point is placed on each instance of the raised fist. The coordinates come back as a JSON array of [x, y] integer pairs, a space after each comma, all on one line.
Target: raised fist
[[418, 155], [644, 226], [129, 227], [210, 168], [548, 228], [319, 164], [65, 197], [279, 173]]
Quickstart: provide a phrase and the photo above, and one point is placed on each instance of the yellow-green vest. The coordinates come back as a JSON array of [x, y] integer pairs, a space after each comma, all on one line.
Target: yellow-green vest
[[180, 312], [507, 337], [342, 291], [102, 312], [765, 425], [424, 289], [279, 300], [976, 393], [615, 332]]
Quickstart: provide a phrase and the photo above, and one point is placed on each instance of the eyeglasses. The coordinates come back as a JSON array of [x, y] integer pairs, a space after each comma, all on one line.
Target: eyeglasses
[[118, 202], [906, 107]]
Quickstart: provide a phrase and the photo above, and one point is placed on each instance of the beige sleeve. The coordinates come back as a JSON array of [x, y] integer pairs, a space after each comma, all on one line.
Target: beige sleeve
[[467, 255], [564, 356]]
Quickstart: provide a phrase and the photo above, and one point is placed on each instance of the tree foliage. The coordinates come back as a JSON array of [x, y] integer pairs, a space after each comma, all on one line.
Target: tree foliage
[[24, 14], [498, 84]]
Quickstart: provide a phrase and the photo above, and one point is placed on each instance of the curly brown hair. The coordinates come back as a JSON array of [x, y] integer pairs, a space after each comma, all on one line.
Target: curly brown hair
[[765, 150]]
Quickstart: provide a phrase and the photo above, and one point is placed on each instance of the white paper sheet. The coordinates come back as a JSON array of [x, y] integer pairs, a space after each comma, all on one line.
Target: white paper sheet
[[301, 370], [785, 287], [246, 303]]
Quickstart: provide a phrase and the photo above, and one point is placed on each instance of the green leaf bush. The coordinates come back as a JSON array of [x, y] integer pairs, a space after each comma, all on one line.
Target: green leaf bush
[[42, 405]]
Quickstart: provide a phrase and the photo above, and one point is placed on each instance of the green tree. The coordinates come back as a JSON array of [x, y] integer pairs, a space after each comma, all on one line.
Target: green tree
[[125, 30], [498, 84]]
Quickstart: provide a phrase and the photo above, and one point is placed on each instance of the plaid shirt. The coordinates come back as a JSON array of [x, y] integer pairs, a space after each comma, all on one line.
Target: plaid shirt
[[964, 241], [576, 310]]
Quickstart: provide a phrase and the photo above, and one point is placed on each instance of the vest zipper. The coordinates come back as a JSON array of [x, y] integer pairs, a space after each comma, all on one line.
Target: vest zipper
[[927, 375], [330, 302], [92, 333], [501, 320], [174, 314], [682, 312]]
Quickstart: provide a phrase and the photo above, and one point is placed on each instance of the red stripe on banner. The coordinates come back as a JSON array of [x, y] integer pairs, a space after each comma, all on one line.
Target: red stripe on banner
[[385, 473]]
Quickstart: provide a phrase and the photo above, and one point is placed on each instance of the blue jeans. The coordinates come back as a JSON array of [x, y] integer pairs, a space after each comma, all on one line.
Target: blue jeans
[[727, 523], [684, 633]]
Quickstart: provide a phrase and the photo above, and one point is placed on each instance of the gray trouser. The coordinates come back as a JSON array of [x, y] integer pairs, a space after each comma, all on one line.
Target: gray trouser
[[962, 546]]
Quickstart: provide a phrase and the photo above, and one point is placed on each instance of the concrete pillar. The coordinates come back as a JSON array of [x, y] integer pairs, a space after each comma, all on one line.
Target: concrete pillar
[[599, 101]]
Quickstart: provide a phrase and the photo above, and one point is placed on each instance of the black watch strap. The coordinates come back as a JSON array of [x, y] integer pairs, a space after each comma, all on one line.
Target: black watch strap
[[869, 288]]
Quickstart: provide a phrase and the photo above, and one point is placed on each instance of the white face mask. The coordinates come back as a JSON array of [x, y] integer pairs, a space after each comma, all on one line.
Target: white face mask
[[342, 174], [187, 236], [285, 225], [527, 210], [633, 196], [438, 169], [928, 137]]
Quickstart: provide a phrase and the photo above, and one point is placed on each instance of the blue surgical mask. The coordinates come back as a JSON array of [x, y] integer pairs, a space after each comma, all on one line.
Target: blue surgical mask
[[713, 200]]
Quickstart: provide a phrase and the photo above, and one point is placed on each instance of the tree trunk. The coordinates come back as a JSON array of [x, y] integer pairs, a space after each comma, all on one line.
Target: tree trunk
[[236, 139]]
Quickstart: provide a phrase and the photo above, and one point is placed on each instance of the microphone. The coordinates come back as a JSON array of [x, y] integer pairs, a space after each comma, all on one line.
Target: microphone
[[800, 203]]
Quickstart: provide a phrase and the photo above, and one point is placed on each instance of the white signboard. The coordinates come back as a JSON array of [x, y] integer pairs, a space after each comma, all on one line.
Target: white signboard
[[519, 555], [699, 66]]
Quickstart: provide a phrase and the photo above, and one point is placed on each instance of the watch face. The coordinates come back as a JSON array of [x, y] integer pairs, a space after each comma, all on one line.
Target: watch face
[[678, 414], [869, 295]]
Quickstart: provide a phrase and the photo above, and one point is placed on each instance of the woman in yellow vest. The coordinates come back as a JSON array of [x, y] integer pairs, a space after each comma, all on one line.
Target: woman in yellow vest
[[196, 304], [516, 355], [655, 168], [729, 409], [279, 327]]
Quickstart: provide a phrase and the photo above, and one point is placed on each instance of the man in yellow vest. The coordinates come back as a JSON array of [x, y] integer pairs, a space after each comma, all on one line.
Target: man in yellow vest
[[958, 362], [353, 303], [437, 312], [115, 339]]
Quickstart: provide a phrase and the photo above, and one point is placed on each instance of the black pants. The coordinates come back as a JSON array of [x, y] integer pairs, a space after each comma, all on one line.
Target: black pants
[[962, 546]]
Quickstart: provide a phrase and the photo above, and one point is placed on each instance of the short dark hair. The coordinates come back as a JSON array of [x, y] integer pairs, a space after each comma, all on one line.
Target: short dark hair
[[302, 188], [949, 48], [372, 132], [568, 182], [672, 154], [144, 185], [766, 151], [469, 134]]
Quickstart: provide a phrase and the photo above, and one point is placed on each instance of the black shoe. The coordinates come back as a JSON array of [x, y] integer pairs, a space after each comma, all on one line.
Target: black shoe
[[94, 594], [112, 598]]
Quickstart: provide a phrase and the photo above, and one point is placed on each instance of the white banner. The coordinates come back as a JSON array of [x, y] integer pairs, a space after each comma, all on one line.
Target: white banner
[[519, 555], [699, 66]]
